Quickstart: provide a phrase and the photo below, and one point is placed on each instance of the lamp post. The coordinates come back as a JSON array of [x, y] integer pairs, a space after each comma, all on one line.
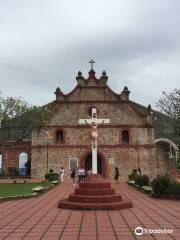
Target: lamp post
[[47, 156], [137, 142], [177, 157]]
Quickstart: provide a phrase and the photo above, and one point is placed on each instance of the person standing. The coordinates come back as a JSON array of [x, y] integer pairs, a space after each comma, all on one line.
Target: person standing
[[80, 172], [116, 175], [73, 173], [61, 174], [84, 174]]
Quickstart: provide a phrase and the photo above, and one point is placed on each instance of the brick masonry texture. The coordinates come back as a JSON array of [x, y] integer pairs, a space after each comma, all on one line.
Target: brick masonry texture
[[68, 109], [40, 219], [45, 153], [11, 152]]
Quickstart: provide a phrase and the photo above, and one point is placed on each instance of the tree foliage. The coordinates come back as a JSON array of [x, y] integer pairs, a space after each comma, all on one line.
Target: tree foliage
[[169, 103], [35, 117], [17, 115], [10, 108]]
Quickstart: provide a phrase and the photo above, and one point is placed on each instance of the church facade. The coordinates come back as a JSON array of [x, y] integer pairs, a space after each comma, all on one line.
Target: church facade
[[126, 142], [136, 137]]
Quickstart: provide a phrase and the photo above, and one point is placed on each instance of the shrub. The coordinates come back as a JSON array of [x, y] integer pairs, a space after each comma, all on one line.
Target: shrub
[[173, 188], [133, 176], [160, 184], [178, 166], [142, 180], [52, 176]]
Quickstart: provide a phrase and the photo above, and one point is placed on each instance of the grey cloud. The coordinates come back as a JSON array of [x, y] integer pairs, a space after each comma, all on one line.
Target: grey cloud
[[44, 43]]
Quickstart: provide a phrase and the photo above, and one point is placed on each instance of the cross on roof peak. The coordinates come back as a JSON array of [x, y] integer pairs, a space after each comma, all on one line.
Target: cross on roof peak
[[92, 62]]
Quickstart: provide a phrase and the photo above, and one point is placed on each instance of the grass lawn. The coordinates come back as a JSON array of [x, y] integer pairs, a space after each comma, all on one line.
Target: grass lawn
[[15, 189]]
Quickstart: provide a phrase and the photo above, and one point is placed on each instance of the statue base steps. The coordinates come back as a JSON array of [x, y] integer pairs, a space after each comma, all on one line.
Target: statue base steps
[[95, 194]]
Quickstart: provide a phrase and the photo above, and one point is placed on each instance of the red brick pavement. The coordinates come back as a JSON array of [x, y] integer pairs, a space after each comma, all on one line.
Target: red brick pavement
[[39, 218]]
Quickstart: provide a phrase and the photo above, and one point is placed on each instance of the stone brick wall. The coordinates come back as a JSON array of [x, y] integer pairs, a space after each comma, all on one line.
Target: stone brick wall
[[140, 152], [82, 135], [118, 113], [162, 151], [10, 153], [126, 159], [46, 153]]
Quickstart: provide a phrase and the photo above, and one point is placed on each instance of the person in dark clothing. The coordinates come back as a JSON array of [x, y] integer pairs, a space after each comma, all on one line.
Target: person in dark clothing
[[84, 175], [73, 174], [116, 175]]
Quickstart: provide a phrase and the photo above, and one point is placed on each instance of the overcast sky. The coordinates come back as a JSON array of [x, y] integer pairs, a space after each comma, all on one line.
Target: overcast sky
[[44, 43]]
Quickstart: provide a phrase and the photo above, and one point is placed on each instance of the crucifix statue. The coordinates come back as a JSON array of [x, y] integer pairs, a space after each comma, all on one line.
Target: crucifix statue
[[92, 62], [93, 122]]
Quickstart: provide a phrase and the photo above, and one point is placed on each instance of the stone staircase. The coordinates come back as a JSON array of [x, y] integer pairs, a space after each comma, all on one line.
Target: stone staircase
[[93, 194]]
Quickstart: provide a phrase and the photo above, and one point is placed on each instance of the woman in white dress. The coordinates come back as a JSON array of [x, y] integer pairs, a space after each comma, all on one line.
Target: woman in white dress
[[61, 174]]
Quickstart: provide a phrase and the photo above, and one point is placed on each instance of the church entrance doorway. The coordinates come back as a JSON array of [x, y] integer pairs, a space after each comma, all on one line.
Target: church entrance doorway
[[86, 162]]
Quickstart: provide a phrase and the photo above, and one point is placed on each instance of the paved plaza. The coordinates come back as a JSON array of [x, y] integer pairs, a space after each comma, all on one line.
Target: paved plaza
[[40, 218]]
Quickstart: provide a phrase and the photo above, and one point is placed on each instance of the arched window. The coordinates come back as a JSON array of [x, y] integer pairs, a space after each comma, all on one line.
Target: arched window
[[60, 136], [1, 164], [23, 158], [125, 136], [90, 110]]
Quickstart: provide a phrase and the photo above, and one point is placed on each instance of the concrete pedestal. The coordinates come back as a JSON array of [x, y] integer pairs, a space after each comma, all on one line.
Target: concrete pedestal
[[95, 193]]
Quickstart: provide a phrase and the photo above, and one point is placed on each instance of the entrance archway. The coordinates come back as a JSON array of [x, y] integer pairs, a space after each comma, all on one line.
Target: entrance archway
[[86, 162], [173, 149]]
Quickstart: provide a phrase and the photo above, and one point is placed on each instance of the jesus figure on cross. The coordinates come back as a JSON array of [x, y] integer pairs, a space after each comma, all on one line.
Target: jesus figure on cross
[[94, 121]]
